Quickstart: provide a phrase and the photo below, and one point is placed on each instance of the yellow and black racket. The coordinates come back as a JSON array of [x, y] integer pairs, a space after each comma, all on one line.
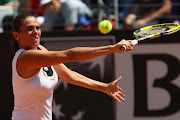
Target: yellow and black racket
[[153, 31]]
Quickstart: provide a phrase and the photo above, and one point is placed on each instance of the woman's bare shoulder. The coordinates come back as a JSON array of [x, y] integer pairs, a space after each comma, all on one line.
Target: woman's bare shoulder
[[42, 47]]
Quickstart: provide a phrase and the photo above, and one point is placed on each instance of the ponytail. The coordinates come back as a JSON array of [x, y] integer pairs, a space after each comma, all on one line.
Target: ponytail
[[14, 45]]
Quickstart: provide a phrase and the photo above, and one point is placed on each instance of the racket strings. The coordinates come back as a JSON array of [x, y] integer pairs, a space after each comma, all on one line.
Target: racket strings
[[154, 30]]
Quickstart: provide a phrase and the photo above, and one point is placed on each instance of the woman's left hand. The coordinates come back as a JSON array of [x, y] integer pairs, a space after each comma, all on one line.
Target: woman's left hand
[[114, 90]]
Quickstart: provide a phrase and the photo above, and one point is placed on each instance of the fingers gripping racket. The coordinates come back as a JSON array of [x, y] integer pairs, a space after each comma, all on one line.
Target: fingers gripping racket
[[153, 31]]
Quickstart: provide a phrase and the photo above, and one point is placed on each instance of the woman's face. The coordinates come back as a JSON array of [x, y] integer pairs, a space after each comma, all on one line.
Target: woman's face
[[29, 35]]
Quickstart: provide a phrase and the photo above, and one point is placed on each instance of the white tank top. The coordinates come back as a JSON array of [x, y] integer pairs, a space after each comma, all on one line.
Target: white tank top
[[33, 96]]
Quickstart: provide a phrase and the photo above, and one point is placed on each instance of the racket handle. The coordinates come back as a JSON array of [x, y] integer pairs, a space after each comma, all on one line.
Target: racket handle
[[123, 47], [134, 42]]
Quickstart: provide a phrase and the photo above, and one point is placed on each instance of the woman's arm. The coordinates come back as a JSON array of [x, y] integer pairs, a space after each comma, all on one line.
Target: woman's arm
[[39, 58], [75, 78]]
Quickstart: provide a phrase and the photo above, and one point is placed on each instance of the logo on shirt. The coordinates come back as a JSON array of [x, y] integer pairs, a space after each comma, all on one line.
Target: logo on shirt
[[48, 72]]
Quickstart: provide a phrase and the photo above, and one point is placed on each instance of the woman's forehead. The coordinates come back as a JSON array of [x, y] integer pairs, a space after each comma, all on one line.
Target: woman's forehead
[[31, 21]]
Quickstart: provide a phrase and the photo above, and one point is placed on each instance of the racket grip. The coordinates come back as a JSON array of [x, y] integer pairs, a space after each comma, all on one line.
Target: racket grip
[[123, 47]]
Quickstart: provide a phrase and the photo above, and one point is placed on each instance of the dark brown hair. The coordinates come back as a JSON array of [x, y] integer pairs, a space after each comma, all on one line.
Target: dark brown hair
[[17, 22]]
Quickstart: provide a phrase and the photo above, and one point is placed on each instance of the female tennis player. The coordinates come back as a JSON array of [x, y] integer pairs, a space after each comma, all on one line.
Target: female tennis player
[[36, 70]]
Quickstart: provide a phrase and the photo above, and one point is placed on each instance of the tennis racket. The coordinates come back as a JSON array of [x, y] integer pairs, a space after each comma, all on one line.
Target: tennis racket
[[151, 32]]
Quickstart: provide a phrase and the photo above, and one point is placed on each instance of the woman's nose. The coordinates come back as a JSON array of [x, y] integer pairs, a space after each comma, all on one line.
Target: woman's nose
[[36, 31]]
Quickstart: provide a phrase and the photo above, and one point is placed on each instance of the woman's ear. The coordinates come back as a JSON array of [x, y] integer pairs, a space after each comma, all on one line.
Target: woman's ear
[[15, 35]]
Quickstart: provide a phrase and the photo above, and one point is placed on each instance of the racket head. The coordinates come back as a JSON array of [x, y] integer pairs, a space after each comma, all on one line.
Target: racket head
[[157, 30]]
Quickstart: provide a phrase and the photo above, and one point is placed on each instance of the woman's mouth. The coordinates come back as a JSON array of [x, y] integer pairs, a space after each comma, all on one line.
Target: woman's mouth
[[34, 38]]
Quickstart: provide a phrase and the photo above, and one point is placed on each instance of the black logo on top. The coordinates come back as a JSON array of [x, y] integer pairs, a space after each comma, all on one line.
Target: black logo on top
[[48, 71]]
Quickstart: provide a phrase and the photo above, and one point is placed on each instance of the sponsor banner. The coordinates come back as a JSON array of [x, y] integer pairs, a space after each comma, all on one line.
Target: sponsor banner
[[151, 82]]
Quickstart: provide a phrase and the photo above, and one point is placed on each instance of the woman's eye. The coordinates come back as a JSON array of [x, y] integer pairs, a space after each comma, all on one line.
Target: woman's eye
[[29, 29], [33, 28], [37, 28]]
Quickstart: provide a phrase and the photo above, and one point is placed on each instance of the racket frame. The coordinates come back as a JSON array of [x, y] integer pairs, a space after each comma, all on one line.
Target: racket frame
[[152, 36]]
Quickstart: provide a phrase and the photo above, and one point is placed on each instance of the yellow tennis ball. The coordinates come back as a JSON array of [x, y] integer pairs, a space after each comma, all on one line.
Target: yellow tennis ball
[[105, 26]]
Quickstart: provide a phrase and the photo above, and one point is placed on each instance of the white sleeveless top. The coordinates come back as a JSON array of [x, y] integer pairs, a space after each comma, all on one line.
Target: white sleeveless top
[[33, 96]]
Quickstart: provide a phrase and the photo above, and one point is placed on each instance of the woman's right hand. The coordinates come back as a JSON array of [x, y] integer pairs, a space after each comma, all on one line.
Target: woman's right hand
[[127, 43]]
